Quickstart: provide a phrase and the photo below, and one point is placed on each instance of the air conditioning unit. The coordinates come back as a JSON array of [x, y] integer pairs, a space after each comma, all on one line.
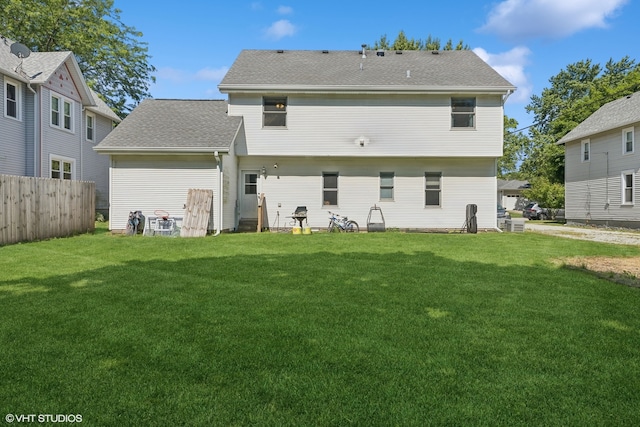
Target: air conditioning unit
[[515, 225]]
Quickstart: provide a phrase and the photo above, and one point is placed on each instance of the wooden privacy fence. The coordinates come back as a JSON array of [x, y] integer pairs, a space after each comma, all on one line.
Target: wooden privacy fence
[[42, 208]]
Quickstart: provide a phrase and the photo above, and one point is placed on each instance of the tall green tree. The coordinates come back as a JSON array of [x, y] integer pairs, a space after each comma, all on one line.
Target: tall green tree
[[111, 55], [575, 93], [402, 42], [516, 148]]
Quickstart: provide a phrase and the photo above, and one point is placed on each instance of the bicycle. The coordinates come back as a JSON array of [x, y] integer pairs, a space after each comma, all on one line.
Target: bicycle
[[339, 223]]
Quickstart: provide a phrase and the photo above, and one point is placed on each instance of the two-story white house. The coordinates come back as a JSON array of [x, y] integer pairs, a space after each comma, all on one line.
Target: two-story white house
[[602, 166], [416, 133], [50, 120]]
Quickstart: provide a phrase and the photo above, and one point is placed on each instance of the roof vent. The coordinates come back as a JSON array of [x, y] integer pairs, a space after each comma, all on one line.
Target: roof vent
[[325, 51], [408, 74], [435, 52], [398, 52], [280, 51], [380, 52], [364, 51]]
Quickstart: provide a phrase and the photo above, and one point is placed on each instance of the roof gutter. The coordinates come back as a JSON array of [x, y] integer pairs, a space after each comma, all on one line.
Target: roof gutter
[[157, 150], [354, 89]]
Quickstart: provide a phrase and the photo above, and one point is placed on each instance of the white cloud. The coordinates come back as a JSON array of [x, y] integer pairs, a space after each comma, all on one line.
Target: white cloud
[[280, 29], [525, 19], [285, 10], [212, 74], [511, 65]]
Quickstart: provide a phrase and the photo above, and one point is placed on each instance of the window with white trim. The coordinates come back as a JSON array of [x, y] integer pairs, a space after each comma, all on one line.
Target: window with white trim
[[90, 122], [628, 187], [433, 188], [627, 141], [386, 185], [463, 113], [586, 150], [62, 112], [274, 112], [12, 99], [61, 168], [330, 188]]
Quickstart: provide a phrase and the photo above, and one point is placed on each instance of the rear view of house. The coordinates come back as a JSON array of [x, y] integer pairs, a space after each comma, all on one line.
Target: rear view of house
[[50, 120], [416, 133], [602, 166]]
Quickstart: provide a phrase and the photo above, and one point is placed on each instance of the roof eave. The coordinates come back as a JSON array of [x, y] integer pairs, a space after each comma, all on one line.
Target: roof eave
[[160, 150]]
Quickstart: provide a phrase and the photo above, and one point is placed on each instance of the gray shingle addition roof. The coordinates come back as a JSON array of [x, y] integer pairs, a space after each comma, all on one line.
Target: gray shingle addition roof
[[615, 114], [339, 71], [177, 126]]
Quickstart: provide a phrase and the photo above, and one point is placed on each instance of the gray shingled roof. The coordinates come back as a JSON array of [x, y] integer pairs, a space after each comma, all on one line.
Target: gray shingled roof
[[616, 114], [512, 184], [170, 125], [38, 68], [341, 71]]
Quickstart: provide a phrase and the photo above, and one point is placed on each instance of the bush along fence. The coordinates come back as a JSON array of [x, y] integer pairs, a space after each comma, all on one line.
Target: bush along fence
[[42, 208]]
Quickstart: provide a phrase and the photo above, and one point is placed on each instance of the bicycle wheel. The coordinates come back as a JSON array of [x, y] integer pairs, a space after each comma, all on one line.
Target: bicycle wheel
[[352, 227], [332, 228]]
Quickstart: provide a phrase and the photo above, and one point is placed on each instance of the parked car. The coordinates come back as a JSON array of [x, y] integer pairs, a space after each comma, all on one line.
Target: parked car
[[502, 213], [534, 211]]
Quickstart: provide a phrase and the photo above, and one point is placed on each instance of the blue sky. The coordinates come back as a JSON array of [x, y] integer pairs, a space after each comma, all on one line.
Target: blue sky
[[193, 43]]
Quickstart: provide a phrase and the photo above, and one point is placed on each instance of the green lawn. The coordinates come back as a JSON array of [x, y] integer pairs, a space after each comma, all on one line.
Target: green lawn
[[323, 329]]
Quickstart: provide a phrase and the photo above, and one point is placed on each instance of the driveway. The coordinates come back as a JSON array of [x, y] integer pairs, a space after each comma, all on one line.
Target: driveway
[[585, 233]]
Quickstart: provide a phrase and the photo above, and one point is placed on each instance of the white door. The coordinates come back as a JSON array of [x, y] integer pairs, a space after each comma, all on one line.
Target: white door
[[249, 200]]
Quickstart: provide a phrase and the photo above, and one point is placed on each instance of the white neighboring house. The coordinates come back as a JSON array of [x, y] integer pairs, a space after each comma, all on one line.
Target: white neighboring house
[[50, 120], [602, 166], [417, 133], [510, 193]]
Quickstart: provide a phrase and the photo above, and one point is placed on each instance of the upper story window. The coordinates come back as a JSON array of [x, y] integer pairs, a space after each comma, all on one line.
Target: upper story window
[[90, 126], [274, 112], [463, 113], [61, 112], [12, 99], [586, 150], [386, 185], [627, 141]]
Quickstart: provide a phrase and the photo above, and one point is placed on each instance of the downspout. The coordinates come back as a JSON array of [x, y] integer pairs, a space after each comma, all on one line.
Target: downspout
[[219, 178]]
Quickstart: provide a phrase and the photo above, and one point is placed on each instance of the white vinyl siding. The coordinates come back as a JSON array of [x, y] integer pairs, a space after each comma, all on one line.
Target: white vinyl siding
[[158, 182], [391, 126], [298, 181]]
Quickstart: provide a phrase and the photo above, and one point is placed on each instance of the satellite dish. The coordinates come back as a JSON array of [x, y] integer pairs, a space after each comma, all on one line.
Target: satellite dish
[[20, 50]]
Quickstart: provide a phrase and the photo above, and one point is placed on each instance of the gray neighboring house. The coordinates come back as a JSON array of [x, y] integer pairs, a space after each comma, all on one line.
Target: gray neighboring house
[[50, 120], [510, 193], [602, 166], [417, 133]]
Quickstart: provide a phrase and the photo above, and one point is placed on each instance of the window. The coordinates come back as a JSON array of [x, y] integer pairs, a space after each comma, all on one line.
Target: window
[[251, 183], [64, 107], [586, 150], [12, 99], [386, 185], [61, 169], [90, 125], [627, 187], [432, 188], [330, 188], [274, 112], [627, 141], [463, 112]]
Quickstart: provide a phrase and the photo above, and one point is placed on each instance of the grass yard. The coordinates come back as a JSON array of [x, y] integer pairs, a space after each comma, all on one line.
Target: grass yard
[[329, 330]]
